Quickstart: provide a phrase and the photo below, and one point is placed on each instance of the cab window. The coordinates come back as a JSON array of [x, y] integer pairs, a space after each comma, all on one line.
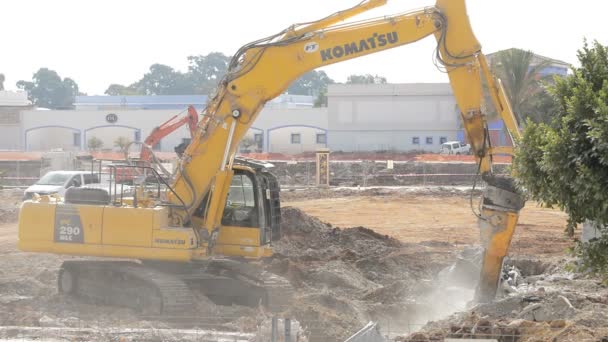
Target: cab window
[[241, 208]]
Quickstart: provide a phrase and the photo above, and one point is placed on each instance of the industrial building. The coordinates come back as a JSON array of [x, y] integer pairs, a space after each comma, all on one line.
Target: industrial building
[[359, 117], [385, 117], [372, 117]]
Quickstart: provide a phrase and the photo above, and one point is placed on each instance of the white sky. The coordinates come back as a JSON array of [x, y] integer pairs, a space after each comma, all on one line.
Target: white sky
[[115, 41]]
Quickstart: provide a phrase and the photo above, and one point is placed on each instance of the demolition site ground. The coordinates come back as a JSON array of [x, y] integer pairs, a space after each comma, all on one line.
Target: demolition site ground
[[403, 257]]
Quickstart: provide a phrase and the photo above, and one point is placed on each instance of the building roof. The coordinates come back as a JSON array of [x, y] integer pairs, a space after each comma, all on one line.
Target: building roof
[[141, 101], [14, 98], [539, 57], [390, 89]]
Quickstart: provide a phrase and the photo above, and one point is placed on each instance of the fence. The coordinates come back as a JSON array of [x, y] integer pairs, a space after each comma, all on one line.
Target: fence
[[18, 173], [380, 173], [303, 173]]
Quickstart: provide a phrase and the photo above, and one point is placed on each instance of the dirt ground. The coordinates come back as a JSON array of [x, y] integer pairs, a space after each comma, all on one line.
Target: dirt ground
[[391, 268], [433, 216], [539, 300]]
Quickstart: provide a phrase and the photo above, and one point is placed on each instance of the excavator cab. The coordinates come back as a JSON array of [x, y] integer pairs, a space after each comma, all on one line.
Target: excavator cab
[[252, 213]]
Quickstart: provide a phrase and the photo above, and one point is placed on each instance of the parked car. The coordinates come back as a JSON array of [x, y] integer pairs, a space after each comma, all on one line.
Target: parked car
[[57, 182], [455, 147]]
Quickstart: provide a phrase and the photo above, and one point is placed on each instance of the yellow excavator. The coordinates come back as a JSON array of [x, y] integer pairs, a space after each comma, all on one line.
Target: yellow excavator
[[220, 212]]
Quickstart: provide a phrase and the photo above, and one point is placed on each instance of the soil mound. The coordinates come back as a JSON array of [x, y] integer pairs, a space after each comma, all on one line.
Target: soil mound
[[347, 277]]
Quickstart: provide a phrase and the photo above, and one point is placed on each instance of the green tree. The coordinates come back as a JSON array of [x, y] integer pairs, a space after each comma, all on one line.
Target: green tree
[[365, 79], [122, 143], [164, 80], [94, 143], [526, 89], [118, 89], [206, 71], [47, 89], [159, 80], [565, 163], [312, 83], [2, 79]]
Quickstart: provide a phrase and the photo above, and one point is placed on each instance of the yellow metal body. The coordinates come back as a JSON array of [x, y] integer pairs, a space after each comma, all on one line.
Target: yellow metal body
[[259, 72]]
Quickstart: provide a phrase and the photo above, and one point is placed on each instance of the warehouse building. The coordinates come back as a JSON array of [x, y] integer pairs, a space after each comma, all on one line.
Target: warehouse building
[[391, 117], [287, 124], [373, 117]]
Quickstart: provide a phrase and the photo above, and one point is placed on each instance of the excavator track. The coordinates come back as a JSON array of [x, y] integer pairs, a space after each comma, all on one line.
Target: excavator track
[[127, 284], [227, 282], [270, 290], [167, 288]]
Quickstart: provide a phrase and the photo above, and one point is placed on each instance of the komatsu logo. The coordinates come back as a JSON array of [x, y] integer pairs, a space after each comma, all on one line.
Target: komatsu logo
[[171, 242], [373, 42]]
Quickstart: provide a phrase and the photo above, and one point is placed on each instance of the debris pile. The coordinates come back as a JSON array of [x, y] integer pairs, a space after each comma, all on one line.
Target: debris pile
[[346, 277], [542, 302], [10, 200]]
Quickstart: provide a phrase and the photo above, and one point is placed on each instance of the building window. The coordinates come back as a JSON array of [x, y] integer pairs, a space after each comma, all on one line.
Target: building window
[[321, 138], [259, 140], [443, 140], [295, 138], [416, 141], [429, 140], [76, 141], [137, 136]]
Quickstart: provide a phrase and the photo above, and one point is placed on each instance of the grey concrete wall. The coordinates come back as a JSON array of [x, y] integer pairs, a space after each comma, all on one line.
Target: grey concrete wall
[[10, 137], [41, 128], [278, 124], [50, 129], [10, 126], [394, 140], [388, 116]]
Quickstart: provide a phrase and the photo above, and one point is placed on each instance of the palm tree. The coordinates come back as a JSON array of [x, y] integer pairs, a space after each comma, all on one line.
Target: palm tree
[[521, 76]]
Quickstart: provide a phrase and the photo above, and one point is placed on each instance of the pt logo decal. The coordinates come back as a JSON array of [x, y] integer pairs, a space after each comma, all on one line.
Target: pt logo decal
[[311, 47], [373, 42], [68, 227]]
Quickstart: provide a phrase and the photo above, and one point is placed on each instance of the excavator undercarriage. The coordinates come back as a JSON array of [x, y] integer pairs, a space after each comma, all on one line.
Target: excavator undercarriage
[[171, 289]]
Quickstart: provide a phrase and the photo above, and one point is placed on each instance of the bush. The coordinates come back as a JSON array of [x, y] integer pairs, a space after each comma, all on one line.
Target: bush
[[565, 163]]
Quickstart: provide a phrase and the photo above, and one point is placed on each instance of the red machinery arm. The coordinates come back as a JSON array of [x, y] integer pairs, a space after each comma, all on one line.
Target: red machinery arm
[[167, 128]]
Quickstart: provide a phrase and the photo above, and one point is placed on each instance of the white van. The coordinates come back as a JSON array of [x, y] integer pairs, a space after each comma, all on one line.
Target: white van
[[57, 182], [454, 147]]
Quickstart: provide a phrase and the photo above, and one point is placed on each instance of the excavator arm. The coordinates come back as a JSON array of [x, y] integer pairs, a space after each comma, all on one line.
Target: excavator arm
[[168, 127], [263, 69]]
